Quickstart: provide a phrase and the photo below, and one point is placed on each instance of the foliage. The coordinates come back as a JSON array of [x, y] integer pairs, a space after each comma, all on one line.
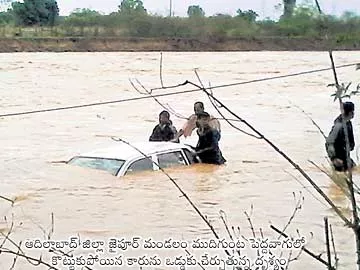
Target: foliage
[[342, 91], [35, 12], [131, 7], [6, 18], [195, 11], [248, 15], [132, 20], [289, 6], [83, 17]]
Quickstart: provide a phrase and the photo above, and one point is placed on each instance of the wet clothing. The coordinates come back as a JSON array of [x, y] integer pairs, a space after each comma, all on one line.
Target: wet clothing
[[163, 133], [190, 125], [336, 143], [210, 139]]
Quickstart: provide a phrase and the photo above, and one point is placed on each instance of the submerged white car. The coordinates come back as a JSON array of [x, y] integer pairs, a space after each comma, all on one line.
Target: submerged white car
[[122, 159]]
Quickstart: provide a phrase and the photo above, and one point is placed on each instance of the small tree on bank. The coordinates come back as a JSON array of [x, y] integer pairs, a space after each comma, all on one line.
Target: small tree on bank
[[132, 6], [195, 11], [289, 6], [35, 12], [248, 15]]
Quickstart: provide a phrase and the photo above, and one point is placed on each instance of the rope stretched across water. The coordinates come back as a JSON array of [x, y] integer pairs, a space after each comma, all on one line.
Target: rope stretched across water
[[169, 94]]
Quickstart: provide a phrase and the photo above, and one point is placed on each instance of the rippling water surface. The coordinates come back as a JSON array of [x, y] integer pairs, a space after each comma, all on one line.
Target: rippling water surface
[[96, 205]]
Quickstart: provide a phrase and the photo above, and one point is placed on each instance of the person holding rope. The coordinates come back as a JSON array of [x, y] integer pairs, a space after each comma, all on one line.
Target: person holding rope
[[336, 142], [190, 125]]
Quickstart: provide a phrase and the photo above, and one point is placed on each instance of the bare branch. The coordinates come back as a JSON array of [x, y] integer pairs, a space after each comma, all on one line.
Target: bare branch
[[298, 255], [35, 223], [338, 95], [297, 180], [16, 257], [36, 261], [289, 260], [317, 257], [224, 220], [51, 231], [197, 262], [296, 166], [7, 199], [345, 191], [213, 102], [312, 120], [327, 242], [204, 218], [333, 245], [6, 237], [298, 205], [250, 222], [149, 92]]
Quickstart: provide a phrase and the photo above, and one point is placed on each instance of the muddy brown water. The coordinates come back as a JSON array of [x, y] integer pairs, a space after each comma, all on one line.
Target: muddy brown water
[[96, 205]]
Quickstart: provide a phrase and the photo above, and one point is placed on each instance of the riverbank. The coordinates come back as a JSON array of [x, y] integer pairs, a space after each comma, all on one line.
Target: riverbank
[[109, 44]]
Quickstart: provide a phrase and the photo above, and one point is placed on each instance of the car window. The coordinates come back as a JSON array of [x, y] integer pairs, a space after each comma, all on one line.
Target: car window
[[189, 156], [171, 159], [140, 165], [110, 165]]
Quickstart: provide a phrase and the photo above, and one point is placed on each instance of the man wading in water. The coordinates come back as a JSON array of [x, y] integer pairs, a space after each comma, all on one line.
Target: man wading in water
[[190, 125], [336, 142], [207, 147]]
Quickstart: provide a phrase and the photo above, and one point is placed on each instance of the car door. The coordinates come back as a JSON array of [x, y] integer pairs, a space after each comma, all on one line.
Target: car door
[[139, 165], [171, 159], [191, 156]]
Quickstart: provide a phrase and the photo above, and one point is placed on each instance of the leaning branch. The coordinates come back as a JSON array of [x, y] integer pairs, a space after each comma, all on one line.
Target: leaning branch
[[312, 120], [317, 257], [7, 199], [223, 117], [28, 258], [177, 186], [296, 166], [339, 92], [327, 238]]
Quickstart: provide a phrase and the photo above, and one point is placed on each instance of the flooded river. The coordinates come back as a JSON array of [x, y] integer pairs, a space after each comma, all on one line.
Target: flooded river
[[96, 205]]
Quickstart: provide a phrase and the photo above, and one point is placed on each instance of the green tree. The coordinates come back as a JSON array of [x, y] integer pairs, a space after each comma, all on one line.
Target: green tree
[[195, 11], [36, 12], [5, 18], [83, 17], [248, 15], [289, 6], [131, 6], [349, 15]]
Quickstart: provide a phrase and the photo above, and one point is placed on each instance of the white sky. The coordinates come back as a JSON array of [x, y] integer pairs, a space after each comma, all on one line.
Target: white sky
[[265, 8]]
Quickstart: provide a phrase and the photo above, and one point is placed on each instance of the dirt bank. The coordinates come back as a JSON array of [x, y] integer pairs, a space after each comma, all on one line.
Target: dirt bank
[[93, 44]]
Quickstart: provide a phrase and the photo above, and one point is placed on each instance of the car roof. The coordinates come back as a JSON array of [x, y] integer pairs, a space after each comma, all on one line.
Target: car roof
[[123, 151]]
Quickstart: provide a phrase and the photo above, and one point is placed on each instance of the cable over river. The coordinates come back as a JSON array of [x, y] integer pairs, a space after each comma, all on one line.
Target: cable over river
[[95, 205]]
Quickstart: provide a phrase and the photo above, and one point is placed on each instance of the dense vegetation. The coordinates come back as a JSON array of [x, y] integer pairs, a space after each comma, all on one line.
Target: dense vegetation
[[41, 18]]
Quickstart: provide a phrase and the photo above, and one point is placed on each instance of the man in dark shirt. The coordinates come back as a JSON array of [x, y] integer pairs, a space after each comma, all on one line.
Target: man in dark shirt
[[336, 143], [164, 131], [208, 145]]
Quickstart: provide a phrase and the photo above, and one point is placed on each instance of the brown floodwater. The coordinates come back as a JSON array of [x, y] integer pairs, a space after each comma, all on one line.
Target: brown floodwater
[[96, 205]]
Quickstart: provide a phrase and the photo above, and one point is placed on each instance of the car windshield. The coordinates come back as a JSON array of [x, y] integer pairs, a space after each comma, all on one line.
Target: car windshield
[[110, 165]]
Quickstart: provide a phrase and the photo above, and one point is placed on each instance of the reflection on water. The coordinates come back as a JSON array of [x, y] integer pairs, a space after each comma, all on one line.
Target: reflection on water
[[95, 204]]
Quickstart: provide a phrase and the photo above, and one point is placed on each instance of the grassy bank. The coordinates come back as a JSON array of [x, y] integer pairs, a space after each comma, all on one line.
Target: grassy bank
[[87, 30], [110, 44]]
